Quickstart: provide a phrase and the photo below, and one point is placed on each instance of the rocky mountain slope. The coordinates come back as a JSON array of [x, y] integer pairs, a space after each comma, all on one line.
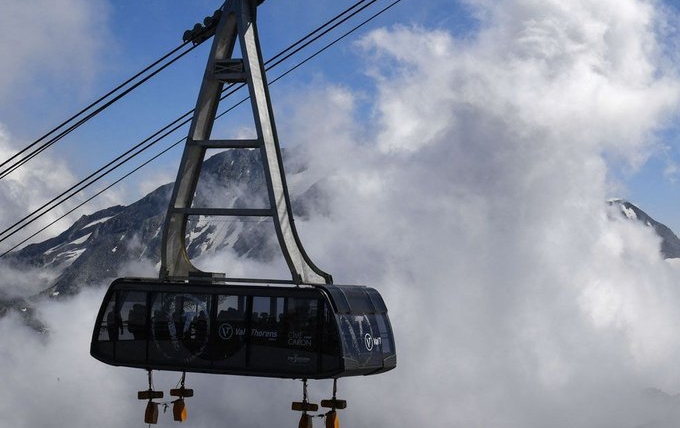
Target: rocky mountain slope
[[97, 247]]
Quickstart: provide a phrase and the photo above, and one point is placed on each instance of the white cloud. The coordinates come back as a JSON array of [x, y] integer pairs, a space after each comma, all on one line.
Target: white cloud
[[482, 218], [29, 188], [45, 45], [66, 35]]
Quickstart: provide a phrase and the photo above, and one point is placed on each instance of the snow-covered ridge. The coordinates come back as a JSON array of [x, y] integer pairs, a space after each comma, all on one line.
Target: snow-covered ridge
[[98, 247]]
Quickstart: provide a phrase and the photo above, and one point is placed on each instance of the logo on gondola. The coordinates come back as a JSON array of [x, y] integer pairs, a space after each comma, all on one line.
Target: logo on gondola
[[296, 359], [226, 331], [370, 341]]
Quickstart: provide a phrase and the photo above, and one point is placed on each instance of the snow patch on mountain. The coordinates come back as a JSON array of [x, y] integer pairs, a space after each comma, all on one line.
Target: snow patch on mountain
[[102, 246]]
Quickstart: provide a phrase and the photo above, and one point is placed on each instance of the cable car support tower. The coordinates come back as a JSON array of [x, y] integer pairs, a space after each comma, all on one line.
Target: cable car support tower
[[237, 21]]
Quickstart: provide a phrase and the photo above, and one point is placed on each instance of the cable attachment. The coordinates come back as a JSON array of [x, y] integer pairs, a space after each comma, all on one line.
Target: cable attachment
[[202, 32], [179, 408], [305, 406], [151, 412], [334, 403]]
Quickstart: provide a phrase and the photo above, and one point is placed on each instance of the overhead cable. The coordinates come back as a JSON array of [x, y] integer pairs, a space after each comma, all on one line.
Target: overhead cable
[[32, 153], [190, 38], [167, 130]]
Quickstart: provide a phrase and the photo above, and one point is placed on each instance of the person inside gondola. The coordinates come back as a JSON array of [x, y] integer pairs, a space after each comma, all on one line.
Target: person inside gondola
[[199, 327], [137, 321], [114, 325], [179, 318]]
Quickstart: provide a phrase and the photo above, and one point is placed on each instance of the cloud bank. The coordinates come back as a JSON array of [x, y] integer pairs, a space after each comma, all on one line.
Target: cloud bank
[[29, 188], [478, 208], [50, 49], [473, 197]]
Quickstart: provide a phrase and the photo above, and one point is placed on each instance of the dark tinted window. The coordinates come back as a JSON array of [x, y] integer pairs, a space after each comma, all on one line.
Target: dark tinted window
[[112, 324], [280, 332], [230, 331], [132, 306], [359, 302], [266, 316], [180, 325], [302, 322]]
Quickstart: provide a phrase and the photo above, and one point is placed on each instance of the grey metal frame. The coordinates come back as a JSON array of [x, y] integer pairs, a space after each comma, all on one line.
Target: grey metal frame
[[238, 21]]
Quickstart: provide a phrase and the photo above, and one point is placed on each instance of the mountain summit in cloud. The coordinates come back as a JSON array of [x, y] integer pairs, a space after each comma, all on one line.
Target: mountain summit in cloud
[[670, 243]]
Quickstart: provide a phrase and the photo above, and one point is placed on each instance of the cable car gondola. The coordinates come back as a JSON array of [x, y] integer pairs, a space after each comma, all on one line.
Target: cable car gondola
[[193, 321], [313, 332]]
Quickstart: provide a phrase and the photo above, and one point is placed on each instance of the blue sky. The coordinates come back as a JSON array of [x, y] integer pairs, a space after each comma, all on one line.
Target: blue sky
[[118, 39], [122, 37], [137, 33]]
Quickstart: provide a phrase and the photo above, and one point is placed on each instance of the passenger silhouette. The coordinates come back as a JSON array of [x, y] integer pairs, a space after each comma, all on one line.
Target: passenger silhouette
[[113, 325], [137, 321]]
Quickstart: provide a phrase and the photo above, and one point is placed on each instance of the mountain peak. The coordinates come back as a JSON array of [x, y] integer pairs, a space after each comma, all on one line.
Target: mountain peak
[[670, 243]]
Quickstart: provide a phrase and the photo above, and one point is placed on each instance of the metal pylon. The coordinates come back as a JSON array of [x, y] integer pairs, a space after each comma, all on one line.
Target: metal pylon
[[237, 21]]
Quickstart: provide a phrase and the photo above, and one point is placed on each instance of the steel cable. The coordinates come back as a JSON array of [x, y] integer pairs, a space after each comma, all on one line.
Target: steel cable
[[13, 166], [167, 130]]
